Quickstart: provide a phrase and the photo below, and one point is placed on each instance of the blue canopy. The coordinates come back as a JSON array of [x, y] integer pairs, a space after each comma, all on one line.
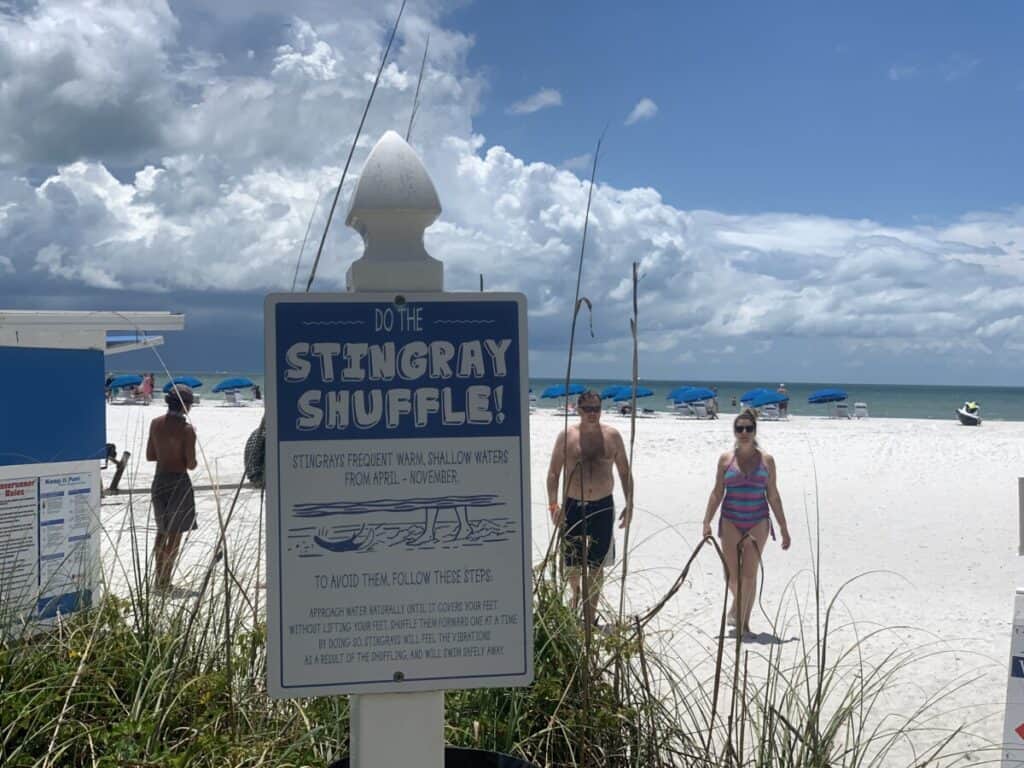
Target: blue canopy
[[612, 390], [626, 393], [188, 381], [558, 390], [128, 380], [767, 398], [691, 394], [237, 382], [752, 394], [827, 396]]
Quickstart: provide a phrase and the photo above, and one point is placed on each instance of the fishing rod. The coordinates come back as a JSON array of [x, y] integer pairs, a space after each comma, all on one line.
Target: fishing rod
[[302, 248], [416, 97]]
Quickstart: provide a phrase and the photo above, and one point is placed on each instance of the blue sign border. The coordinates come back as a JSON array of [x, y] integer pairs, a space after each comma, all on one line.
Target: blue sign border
[[323, 312]]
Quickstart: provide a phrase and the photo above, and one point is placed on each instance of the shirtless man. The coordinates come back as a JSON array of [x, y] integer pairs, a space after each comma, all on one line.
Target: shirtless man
[[586, 453], [172, 445]]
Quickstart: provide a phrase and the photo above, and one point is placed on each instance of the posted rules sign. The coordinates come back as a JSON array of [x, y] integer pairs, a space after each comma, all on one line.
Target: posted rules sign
[[398, 525]]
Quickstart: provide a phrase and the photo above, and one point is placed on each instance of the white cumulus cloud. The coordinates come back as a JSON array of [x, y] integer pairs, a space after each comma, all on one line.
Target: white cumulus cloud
[[579, 163], [221, 203], [645, 109], [542, 99]]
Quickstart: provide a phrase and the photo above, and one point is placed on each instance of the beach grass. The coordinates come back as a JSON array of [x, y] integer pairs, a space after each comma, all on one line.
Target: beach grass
[[141, 680]]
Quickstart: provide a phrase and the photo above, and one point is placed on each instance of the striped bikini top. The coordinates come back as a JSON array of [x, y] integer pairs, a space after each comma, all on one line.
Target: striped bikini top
[[746, 499]]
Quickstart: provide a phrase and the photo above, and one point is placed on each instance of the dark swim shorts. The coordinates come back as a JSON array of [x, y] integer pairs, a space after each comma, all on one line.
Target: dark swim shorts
[[174, 502], [589, 530]]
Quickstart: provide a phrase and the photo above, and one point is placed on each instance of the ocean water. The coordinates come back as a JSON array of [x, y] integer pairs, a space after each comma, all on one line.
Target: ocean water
[[898, 401], [888, 400]]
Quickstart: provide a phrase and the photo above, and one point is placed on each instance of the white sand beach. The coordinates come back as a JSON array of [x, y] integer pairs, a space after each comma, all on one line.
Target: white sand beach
[[924, 512]]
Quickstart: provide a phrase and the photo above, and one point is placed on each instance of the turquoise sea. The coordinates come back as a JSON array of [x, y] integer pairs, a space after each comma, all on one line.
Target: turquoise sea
[[888, 400], [899, 401]]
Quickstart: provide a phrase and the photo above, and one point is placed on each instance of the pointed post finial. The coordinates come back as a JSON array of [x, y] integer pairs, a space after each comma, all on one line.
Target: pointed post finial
[[394, 202]]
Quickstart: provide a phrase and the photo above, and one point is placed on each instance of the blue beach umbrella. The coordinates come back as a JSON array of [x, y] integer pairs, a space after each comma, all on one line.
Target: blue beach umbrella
[[691, 394], [128, 380], [237, 382], [188, 381], [827, 396], [626, 393], [767, 398], [558, 390], [752, 394], [678, 392], [612, 390]]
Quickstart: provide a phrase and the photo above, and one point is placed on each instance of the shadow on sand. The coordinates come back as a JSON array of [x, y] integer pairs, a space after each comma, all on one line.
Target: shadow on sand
[[760, 638]]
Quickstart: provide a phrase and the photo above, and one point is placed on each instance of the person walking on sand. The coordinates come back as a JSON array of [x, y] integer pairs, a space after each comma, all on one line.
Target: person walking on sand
[[784, 405], [745, 488], [147, 388], [172, 445], [585, 453]]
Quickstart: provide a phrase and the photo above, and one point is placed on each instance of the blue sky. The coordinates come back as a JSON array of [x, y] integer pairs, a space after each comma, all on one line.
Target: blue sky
[[895, 111], [813, 191]]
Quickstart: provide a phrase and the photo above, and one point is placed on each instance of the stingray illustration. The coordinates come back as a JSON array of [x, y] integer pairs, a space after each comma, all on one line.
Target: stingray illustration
[[351, 544]]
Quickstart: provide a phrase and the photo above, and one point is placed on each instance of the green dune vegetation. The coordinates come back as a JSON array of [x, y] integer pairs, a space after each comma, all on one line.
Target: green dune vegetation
[[140, 680]]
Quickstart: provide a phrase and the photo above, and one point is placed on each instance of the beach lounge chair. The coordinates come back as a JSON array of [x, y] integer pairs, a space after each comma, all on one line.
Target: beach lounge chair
[[683, 410], [840, 411], [860, 410], [129, 396], [770, 412], [700, 410]]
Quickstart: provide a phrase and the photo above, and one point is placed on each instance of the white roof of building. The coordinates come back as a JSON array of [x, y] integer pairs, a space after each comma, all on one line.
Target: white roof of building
[[86, 330], [92, 321]]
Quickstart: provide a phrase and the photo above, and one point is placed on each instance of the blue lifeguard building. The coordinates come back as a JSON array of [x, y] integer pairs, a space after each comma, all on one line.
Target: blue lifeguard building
[[52, 439]]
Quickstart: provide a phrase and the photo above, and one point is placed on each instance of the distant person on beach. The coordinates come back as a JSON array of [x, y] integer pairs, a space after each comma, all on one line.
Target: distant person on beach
[[784, 405], [147, 387], [172, 445], [586, 452], [745, 488], [257, 394], [713, 404]]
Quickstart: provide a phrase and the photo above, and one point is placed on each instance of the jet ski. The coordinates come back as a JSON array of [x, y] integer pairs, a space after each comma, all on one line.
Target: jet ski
[[969, 414]]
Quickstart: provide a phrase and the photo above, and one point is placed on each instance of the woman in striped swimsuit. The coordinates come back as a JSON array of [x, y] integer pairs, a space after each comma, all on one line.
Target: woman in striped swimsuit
[[746, 491]]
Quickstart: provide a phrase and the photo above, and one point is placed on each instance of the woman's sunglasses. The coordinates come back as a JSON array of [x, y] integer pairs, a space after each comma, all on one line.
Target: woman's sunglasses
[[745, 428]]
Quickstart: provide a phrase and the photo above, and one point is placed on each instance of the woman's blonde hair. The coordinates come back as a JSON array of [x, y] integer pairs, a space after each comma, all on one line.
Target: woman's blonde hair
[[750, 415]]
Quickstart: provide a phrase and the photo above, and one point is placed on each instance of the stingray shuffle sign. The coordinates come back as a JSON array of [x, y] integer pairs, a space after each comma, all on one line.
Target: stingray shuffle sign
[[398, 528]]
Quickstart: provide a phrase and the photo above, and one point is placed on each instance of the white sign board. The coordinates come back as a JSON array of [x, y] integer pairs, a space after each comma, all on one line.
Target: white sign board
[[398, 526], [49, 550], [1013, 725]]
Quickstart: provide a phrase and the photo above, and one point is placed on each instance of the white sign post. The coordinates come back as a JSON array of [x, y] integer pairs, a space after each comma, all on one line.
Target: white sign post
[[397, 481], [1013, 721], [1020, 515], [1013, 724]]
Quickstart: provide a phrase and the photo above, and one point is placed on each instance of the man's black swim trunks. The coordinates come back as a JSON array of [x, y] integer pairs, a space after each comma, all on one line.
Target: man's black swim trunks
[[589, 528], [174, 503]]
